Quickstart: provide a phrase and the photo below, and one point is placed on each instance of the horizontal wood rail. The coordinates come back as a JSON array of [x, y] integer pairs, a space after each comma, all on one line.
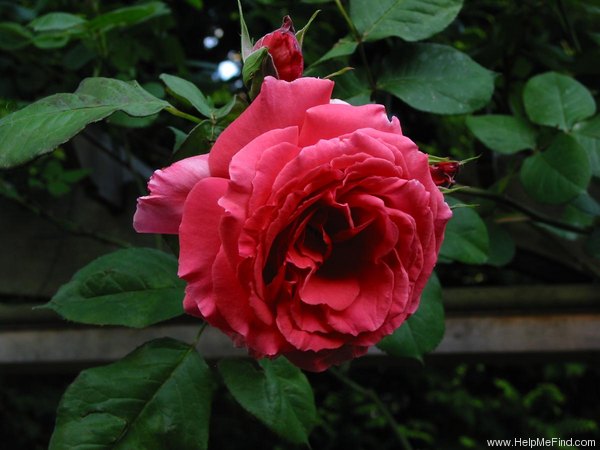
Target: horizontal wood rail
[[481, 322]]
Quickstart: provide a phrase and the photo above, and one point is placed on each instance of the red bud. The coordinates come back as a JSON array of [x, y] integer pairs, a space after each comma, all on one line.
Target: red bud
[[285, 50], [443, 173]]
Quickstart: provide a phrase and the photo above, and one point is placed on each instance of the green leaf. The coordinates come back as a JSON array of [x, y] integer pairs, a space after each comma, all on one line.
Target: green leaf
[[466, 239], [127, 16], [157, 397], [40, 127], [558, 174], [302, 32], [257, 66], [411, 20], [195, 3], [246, 43], [344, 47], [423, 331], [186, 90], [123, 120], [278, 394], [557, 100], [180, 137], [134, 287], [57, 21], [51, 40], [588, 135], [502, 245], [197, 141], [503, 134], [587, 204], [224, 110], [437, 78], [14, 36], [253, 64]]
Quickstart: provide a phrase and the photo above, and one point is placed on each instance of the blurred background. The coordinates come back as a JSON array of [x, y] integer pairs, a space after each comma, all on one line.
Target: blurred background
[[520, 357]]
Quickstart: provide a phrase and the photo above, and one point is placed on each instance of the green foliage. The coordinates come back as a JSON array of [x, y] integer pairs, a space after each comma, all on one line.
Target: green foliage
[[277, 393], [502, 245], [466, 238], [458, 406], [57, 21], [186, 91], [134, 287], [557, 174], [438, 79], [157, 397], [14, 36], [557, 100], [588, 135], [501, 133], [51, 175], [56, 29], [40, 127], [411, 20], [424, 330]]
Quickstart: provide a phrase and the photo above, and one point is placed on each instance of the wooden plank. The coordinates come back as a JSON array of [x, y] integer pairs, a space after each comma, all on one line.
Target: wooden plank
[[509, 334]]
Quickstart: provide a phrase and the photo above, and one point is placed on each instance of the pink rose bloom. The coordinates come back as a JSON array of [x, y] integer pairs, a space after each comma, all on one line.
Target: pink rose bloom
[[285, 50], [309, 230]]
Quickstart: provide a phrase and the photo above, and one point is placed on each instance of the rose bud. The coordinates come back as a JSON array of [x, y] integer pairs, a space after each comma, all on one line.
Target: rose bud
[[443, 173], [285, 50]]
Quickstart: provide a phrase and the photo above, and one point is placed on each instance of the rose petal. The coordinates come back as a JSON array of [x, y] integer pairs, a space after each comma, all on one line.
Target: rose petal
[[333, 120], [338, 294], [301, 339], [160, 212], [322, 360], [199, 245], [371, 307], [232, 302], [243, 166], [280, 104], [199, 231]]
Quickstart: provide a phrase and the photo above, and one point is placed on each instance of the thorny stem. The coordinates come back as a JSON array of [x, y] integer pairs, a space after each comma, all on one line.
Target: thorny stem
[[71, 227], [383, 409], [359, 41], [482, 193]]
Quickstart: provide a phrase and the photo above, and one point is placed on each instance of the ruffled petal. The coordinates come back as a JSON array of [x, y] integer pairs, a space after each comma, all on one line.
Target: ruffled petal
[[160, 212], [333, 120]]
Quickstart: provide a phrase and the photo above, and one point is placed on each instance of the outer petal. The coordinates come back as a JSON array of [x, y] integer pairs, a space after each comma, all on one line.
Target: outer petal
[[199, 245], [160, 212], [280, 104], [334, 120], [199, 232]]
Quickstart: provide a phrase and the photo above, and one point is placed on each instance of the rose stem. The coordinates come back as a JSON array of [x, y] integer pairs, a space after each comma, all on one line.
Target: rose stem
[[370, 393], [176, 112], [476, 192]]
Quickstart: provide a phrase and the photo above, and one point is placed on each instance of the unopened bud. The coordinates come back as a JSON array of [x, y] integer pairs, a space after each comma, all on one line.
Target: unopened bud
[[443, 173], [285, 50]]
